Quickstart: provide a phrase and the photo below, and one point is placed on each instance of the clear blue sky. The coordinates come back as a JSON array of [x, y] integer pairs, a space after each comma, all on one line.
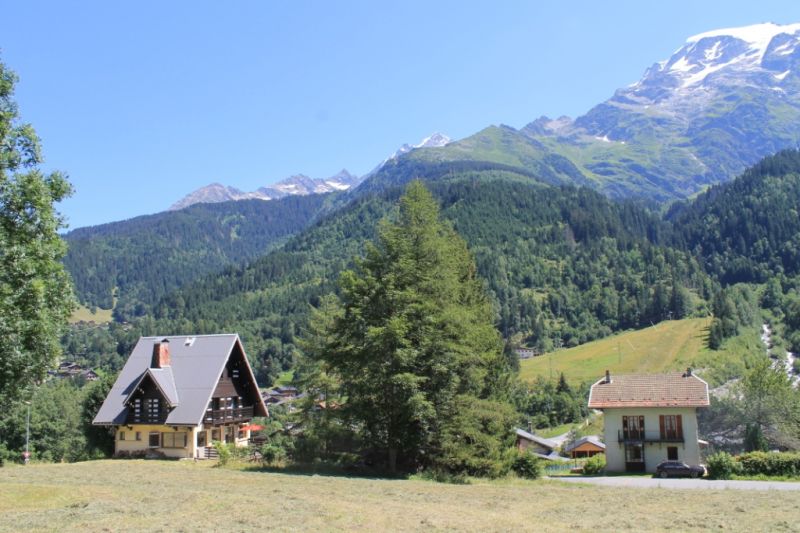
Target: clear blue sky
[[143, 102]]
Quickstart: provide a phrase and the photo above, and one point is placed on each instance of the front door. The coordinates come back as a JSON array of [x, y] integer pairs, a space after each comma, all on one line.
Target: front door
[[634, 458]]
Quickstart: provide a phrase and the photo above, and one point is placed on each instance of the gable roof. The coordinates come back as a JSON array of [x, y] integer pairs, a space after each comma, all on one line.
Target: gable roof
[[590, 439], [674, 389], [188, 383], [164, 380], [547, 443]]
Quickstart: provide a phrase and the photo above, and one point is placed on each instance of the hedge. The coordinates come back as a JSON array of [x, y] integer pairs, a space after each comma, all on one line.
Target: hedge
[[769, 464]]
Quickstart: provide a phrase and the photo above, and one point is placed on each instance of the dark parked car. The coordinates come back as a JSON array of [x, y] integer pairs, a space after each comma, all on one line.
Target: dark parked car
[[679, 469]]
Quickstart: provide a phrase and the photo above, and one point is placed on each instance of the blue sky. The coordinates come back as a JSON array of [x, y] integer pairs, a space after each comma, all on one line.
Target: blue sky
[[141, 103]]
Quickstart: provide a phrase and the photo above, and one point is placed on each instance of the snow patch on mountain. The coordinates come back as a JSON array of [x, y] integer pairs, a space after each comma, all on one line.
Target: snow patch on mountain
[[297, 185], [436, 140]]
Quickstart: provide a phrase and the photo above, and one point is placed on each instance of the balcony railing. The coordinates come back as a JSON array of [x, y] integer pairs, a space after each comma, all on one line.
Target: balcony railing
[[224, 416], [648, 436]]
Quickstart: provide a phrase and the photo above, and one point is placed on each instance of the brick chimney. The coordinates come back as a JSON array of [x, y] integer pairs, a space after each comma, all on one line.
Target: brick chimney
[[160, 354]]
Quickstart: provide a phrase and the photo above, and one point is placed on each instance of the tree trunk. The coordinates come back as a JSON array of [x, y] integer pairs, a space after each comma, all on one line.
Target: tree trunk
[[393, 460]]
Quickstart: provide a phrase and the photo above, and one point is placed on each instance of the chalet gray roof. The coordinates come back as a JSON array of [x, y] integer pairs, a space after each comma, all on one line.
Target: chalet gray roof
[[164, 380], [592, 439], [547, 443], [196, 363]]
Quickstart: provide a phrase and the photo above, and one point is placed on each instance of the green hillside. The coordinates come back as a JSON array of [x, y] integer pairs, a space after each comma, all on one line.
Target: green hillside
[[668, 345]]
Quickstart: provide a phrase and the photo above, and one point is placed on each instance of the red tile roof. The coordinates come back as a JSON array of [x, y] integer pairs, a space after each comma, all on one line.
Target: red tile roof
[[675, 389]]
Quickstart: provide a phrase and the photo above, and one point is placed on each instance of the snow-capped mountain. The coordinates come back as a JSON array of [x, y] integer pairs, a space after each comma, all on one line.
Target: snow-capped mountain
[[299, 184], [293, 185], [722, 101], [762, 55], [433, 141]]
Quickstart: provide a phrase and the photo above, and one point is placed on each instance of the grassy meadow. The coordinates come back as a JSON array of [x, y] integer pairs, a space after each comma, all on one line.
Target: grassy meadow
[[84, 314], [668, 345], [142, 495]]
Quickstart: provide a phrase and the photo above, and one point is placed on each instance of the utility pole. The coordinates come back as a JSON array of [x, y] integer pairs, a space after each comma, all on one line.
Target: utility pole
[[27, 455]]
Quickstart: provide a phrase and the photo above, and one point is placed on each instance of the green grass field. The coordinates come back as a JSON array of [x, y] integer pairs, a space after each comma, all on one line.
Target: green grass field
[[669, 345], [84, 314], [120, 495]]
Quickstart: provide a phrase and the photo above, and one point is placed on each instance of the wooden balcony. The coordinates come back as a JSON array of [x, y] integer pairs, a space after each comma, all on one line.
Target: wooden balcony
[[217, 417], [638, 437]]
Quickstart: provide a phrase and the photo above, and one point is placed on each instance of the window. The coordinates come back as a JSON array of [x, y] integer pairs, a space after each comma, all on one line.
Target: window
[[235, 373], [153, 409], [634, 453], [633, 427], [121, 435], [672, 453], [154, 439], [173, 440], [137, 410], [670, 427], [201, 439], [138, 435]]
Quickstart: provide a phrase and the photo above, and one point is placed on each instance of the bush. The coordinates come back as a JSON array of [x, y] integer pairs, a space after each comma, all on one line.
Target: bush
[[769, 464], [721, 465], [527, 466], [224, 452], [595, 465], [272, 453]]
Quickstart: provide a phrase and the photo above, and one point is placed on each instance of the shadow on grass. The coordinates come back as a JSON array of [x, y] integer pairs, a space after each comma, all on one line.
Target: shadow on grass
[[324, 469]]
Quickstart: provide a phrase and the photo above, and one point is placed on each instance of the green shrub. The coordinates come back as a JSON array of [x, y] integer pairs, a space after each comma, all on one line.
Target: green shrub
[[224, 452], [272, 453], [721, 465], [527, 466], [769, 464], [595, 465]]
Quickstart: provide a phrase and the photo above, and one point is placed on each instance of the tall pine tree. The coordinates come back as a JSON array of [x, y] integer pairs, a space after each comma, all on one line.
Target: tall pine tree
[[415, 350]]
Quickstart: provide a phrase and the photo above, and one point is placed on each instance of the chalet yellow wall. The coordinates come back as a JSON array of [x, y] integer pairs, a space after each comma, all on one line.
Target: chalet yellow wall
[[130, 444]]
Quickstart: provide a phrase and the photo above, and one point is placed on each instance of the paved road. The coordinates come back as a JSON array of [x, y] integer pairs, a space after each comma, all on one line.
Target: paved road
[[674, 483]]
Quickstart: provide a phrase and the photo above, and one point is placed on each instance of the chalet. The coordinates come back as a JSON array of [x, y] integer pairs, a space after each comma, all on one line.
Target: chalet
[[588, 446], [527, 353], [539, 446], [89, 375], [177, 395], [286, 392], [649, 418]]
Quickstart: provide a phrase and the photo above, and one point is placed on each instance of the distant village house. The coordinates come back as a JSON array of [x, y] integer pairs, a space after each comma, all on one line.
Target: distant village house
[[539, 446], [584, 447]]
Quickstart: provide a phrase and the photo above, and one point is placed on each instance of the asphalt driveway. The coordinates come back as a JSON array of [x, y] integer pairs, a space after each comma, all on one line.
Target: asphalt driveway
[[681, 483]]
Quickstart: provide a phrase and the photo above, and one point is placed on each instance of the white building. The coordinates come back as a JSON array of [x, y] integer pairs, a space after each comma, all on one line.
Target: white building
[[649, 418]]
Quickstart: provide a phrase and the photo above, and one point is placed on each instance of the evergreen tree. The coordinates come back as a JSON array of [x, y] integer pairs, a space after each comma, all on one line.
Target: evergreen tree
[[35, 293], [415, 348]]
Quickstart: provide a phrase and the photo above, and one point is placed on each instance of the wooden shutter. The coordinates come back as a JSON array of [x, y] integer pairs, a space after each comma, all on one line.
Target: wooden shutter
[[679, 426], [662, 426]]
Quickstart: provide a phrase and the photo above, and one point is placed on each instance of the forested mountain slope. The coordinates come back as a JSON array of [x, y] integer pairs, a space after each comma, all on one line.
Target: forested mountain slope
[[144, 258], [747, 230], [564, 265]]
